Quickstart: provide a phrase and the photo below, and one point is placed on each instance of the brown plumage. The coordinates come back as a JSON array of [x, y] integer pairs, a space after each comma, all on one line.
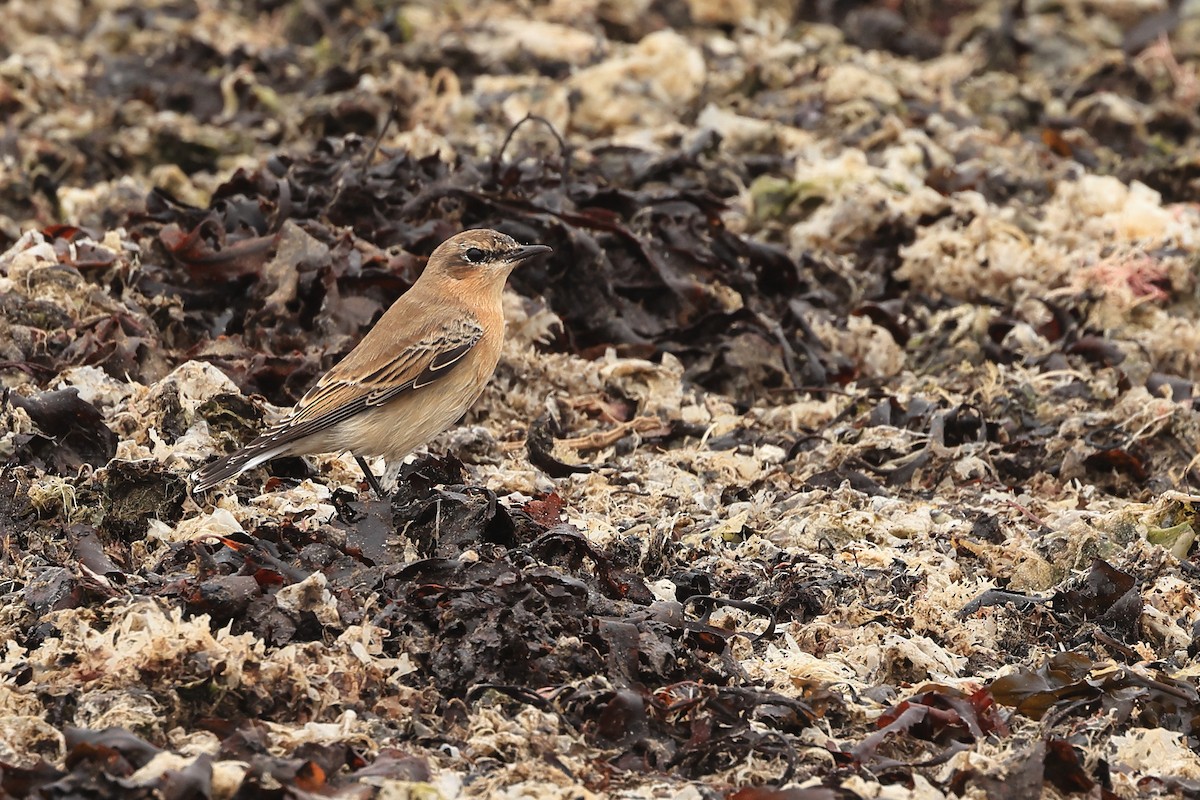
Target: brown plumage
[[412, 376]]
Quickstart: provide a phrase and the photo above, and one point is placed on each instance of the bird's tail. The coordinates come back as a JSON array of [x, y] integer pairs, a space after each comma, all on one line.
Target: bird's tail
[[232, 465]]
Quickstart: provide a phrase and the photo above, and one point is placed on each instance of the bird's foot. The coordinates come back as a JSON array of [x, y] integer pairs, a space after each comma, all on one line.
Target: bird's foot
[[371, 479]]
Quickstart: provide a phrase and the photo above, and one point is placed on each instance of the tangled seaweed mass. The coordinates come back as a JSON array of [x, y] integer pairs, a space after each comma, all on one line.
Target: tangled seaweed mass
[[845, 447]]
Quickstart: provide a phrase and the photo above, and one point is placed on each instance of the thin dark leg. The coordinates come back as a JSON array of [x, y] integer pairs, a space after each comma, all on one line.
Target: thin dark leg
[[371, 479]]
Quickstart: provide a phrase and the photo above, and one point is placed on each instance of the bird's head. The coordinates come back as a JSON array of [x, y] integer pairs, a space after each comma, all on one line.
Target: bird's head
[[480, 257]]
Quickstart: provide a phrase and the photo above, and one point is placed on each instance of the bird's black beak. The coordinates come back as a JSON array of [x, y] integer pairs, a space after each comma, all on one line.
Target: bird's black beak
[[528, 251]]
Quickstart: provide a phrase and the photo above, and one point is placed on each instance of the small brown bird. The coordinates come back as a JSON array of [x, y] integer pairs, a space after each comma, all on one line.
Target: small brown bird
[[416, 372]]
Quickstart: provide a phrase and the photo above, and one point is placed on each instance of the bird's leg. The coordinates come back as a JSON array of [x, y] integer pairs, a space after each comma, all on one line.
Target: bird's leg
[[371, 479]]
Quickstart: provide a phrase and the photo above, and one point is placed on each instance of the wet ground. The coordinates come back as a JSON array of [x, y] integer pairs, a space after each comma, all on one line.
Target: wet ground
[[846, 446]]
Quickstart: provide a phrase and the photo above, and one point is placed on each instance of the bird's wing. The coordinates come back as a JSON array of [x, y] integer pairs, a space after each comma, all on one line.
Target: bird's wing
[[371, 378]]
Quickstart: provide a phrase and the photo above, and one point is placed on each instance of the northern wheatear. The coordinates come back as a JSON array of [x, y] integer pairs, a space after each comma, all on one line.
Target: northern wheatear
[[412, 376]]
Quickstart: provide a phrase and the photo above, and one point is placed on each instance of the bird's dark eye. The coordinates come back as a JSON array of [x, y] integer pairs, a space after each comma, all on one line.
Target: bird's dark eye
[[474, 255]]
